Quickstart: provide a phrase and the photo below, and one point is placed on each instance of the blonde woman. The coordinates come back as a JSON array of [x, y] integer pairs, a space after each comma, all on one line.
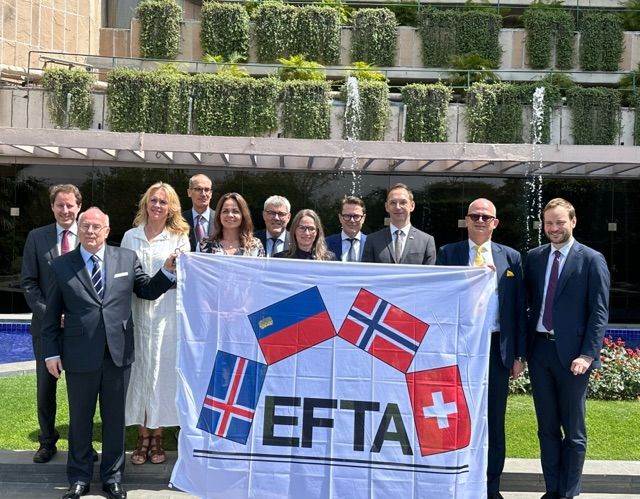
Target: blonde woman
[[307, 238], [159, 230]]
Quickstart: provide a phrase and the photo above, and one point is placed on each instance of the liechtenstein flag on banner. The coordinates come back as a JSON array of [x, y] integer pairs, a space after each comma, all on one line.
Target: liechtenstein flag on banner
[[232, 397], [384, 330], [292, 325]]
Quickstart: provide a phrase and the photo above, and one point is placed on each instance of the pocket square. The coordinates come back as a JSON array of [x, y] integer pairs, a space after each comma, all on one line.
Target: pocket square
[[509, 273], [121, 274]]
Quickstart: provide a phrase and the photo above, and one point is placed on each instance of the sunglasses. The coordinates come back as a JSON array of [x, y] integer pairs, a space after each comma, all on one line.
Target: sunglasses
[[477, 217]]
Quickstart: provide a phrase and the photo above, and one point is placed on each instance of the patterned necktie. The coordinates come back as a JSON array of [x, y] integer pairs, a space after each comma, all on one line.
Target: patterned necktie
[[478, 260], [96, 276], [64, 242], [398, 246], [199, 226], [547, 316], [274, 242], [351, 255]]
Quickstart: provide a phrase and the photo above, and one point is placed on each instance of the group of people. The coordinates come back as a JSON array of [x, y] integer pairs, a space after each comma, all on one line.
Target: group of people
[[93, 302]]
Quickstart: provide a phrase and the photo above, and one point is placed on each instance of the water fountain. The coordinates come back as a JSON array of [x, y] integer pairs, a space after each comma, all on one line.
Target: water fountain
[[352, 117], [533, 182]]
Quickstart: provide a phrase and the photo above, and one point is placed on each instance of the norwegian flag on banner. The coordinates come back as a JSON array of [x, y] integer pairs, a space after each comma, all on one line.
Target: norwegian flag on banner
[[385, 331], [232, 397], [440, 410]]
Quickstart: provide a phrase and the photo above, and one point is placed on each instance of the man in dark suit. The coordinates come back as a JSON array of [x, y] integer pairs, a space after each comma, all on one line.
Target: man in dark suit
[[506, 321], [92, 286], [348, 245], [400, 243], [200, 217], [276, 214], [567, 287], [43, 245]]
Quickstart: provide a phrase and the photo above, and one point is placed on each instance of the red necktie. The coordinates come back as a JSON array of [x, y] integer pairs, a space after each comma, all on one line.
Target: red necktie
[[547, 316], [64, 243]]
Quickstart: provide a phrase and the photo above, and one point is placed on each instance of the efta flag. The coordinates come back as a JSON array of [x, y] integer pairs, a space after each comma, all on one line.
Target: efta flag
[[232, 397], [292, 325], [385, 331], [440, 410]]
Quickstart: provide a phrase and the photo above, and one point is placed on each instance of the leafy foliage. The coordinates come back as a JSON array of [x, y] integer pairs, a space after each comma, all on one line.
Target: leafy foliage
[[545, 28], [494, 113], [305, 109], [227, 66], [273, 30], [374, 109], [476, 69], [75, 83], [631, 15], [224, 29], [365, 71], [636, 119], [345, 12], [159, 28], [298, 68], [447, 33], [596, 115], [374, 36], [426, 108], [601, 41]]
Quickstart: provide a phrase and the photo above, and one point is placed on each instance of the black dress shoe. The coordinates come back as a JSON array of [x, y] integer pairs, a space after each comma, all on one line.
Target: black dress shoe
[[95, 455], [114, 490], [76, 490], [44, 453], [550, 495], [494, 495]]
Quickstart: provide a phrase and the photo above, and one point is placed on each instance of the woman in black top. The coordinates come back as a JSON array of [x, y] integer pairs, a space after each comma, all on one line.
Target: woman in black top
[[308, 241]]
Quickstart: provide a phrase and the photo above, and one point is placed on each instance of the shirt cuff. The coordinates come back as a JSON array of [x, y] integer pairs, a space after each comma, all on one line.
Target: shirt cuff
[[169, 275], [587, 358], [51, 358]]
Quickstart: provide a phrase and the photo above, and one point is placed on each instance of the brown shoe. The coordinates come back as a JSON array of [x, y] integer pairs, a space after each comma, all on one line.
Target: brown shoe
[[139, 455], [156, 452]]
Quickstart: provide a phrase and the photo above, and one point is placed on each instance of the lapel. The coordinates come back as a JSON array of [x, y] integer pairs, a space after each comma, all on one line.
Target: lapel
[[363, 238], [501, 264], [569, 267], [461, 253], [80, 271], [542, 269], [409, 243], [51, 241], [108, 268], [388, 242]]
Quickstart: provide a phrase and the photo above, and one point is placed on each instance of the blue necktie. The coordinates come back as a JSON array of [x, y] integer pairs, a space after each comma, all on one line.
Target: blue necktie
[[96, 276], [547, 316]]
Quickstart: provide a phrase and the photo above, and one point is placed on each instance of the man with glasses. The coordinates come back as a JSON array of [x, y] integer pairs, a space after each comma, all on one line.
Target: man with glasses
[[92, 285], [348, 245], [400, 242], [276, 214], [200, 217], [505, 321]]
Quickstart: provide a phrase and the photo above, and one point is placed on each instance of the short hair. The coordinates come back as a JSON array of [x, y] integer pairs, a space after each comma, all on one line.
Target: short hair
[[278, 201], [175, 223], [400, 186], [353, 200], [81, 216], [562, 203], [194, 177], [54, 190]]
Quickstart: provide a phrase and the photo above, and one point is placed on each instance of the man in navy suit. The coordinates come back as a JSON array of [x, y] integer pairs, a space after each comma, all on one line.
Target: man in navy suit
[[505, 319], [567, 287], [200, 217], [275, 238], [348, 245]]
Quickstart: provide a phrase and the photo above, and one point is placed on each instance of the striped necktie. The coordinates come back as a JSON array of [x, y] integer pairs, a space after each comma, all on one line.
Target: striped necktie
[[96, 276]]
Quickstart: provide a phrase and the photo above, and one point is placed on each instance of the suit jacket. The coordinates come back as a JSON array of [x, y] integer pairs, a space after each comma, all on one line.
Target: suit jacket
[[419, 248], [580, 304], [36, 276], [511, 294], [91, 324], [188, 216], [262, 235], [334, 243]]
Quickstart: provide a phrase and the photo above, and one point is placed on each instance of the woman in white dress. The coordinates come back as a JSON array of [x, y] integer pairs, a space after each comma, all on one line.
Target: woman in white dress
[[159, 230]]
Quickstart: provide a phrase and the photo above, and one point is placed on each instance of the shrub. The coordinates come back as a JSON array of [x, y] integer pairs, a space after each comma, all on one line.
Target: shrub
[[545, 28], [75, 83], [273, 22], [306, 109], [426, 108], [596, 115], [601, 41], [374, 36], [159, 28], [374, 109], [298, 68], [224, 29], [494, 113]]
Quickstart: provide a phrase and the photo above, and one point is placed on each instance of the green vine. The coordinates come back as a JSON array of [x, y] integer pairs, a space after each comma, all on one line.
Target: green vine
[[546, 26], [72, 87], [374, 36], [601, 41], [273, 33], [447, 33], [426, 111], [374, 109], [596, 115], [224, 29], [159, 28], [306, 109], [636, 120], [494, 113]]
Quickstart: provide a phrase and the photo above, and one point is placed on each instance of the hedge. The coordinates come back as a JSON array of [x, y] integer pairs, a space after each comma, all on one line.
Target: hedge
[[374, 110], [306, 109], [159, 28], [374, 36], [601, 41], [426, 112], [75, 83], [547, 28], [224, 29], [595, 114]]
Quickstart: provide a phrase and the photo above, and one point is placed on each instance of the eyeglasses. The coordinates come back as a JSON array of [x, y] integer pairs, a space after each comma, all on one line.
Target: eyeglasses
[[306, 228], [201, 190], [88, 227], [478, 217], [346, 217], [275, 214]]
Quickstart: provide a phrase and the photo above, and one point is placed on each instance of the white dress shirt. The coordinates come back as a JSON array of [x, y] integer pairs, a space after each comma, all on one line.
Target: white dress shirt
[[493, 311], [405, 230], [564, 251], [346, 246], [206, 215], [72, 237]]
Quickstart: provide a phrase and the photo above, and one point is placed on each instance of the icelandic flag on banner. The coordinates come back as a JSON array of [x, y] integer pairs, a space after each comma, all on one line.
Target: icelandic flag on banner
[[384, 330], [440, 410], [232, 397], [292, 325]]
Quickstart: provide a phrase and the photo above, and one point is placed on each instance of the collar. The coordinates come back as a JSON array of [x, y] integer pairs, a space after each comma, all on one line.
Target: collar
[[138, 233], [73, 229], [486, 245], [404, 229], [281, 237], [86, 255], [345, 237], [563, 249], [206, 214]]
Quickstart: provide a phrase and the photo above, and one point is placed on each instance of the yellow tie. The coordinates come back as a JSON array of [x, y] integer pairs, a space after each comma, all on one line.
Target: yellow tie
[[479, 260]]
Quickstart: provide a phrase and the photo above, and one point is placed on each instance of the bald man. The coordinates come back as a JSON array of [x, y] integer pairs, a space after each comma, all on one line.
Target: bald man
[[506, 321], [200, 216]]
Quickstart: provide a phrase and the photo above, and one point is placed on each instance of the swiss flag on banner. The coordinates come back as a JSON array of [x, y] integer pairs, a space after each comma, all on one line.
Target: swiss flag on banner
[[440, 410]]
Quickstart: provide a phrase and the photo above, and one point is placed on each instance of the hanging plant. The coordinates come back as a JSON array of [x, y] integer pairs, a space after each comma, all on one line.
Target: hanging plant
[[636, 120], [224, 29], [70, 102], [374, 36], [601, 41], [596, 115], [159, 28], [546, 27], [316, 34], [306, 109], [273, 32], [373, 108], [426, 110], [494, 113]]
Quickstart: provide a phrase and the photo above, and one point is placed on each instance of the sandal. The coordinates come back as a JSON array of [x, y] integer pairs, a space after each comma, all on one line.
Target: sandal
[[156, 452], [139, 455]]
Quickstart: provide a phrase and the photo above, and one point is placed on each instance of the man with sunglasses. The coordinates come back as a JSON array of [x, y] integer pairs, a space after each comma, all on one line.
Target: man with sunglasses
[[200, 217], [276, 215], [348, 245], [506, 320]]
